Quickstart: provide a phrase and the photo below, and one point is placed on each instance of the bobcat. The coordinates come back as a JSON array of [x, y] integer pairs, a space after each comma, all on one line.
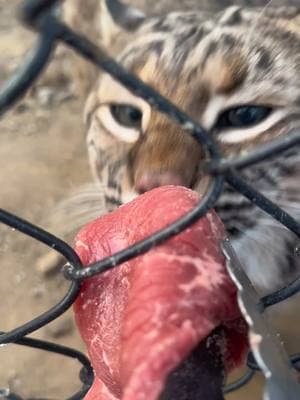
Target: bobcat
[[237, 72]]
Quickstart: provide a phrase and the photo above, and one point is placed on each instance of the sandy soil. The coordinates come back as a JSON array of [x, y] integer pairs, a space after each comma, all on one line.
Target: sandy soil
[[43, 158]]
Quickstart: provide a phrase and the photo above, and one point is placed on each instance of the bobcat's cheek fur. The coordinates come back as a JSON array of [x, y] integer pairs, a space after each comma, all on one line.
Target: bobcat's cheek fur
[[207, 63]]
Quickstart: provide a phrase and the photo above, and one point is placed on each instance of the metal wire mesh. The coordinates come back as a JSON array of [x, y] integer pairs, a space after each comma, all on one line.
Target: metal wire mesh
[[39, 15]]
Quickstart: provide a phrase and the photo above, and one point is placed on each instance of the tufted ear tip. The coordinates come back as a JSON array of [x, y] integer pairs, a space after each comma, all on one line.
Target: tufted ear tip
[[127, 17], [231, 16]]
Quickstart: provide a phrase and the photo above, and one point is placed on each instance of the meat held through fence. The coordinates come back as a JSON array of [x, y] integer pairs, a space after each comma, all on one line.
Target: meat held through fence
[[166, 324]]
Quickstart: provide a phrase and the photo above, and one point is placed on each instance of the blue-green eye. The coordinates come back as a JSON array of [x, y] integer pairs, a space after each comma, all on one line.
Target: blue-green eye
[[243, 117], [127, 115]]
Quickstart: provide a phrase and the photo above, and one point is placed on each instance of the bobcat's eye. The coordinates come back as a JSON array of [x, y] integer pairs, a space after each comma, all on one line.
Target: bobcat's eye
[[124, 121], [243, 117], [127, 115]]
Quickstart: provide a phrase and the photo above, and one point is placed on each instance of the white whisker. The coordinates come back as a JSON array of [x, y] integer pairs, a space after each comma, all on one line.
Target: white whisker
[[82, 206], [261, 240], [247, 44]]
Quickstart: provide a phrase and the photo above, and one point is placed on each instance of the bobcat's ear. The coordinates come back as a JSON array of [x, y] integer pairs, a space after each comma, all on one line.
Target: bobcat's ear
[[117, 17], [294, 24], [286, 17]]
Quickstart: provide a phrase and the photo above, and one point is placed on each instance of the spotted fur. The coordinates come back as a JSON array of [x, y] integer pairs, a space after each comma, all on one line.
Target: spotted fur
[[206, 63]]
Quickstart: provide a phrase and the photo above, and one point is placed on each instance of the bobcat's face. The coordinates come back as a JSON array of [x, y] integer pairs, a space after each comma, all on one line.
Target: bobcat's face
[[237, 73]]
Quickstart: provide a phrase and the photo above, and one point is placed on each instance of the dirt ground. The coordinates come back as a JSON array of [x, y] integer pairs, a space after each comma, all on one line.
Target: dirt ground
[[43, 158]]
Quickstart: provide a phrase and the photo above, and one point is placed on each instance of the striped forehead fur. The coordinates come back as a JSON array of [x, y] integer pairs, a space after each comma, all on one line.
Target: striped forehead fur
[[191, 28], [184, 42]]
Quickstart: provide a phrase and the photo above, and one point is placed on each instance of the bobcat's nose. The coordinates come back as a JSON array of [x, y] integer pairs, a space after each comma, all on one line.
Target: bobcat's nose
[[151, 180]]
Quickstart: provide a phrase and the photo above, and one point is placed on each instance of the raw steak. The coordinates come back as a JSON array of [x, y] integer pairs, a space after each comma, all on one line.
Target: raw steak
[[142, 319]]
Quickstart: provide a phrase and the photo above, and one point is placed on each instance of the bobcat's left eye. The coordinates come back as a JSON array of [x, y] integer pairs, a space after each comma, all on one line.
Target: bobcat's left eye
[[243, 117], [127, 115]]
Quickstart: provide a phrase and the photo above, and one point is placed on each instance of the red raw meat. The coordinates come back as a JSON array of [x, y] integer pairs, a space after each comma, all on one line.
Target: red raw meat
[[141, 319]]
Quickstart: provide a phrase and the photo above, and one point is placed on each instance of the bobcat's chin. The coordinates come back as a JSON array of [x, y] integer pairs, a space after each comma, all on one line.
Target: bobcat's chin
[[200, 185], [129, 196]]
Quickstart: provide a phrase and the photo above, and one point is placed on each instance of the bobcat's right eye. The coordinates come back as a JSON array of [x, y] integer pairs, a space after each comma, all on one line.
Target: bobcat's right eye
[[127, 115], [124, 121]]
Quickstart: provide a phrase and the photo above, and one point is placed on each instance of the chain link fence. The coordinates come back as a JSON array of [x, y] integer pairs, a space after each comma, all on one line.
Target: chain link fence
[[40, 15]]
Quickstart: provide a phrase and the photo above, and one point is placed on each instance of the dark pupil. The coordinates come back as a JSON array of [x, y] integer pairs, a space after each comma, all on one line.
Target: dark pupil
[[243, 117], [127, 116]]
